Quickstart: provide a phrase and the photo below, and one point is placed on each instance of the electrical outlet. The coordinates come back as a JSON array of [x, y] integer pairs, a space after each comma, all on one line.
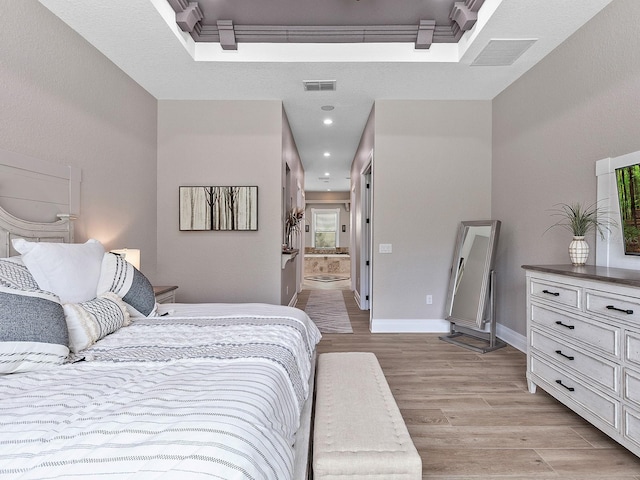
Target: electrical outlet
[[429, 299]]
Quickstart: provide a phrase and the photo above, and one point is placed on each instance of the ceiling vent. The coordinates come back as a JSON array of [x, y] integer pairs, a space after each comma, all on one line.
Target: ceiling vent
[[319, 85], [501, 53]]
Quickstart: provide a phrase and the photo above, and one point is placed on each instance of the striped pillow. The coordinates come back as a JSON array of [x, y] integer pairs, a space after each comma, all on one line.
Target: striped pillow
[[120, 277], [14, 274], [90, 321], [33, 331]]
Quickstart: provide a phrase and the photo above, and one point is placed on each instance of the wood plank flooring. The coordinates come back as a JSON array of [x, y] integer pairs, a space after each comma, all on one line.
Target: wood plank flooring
[[471, 416]]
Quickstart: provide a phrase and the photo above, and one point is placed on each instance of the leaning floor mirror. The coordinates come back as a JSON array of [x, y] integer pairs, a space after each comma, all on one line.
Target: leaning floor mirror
[[471, 294]]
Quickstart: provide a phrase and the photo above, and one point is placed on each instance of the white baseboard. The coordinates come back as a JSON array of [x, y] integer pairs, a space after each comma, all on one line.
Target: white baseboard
[[294, 300], [511, 337], [404, 325], [356, 296]]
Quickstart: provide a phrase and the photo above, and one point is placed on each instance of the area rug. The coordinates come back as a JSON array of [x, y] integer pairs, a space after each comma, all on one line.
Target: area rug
[[326, 278], [328, 311]]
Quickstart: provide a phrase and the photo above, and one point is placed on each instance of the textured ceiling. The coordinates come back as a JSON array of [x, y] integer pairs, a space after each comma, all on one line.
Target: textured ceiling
[[142, 38]]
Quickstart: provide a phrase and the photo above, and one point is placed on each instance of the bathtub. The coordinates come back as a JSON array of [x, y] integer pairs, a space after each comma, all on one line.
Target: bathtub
[[338, 263]]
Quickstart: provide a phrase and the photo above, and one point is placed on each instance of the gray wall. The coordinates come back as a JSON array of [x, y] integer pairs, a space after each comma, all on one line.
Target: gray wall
[[432, 170], [577, 106], [64, 102], [221, 143]]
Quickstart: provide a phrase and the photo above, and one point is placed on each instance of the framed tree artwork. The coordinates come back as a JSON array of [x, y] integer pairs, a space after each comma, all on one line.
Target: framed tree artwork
[[218, 208]]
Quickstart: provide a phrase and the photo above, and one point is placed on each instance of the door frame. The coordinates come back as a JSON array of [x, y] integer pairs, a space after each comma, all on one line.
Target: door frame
[[366, 247]]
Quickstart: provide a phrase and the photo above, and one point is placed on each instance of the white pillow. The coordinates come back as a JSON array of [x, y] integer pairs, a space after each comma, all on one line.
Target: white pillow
[[70, 270]]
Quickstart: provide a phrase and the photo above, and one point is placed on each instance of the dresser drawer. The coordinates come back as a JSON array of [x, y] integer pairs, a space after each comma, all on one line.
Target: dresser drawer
[[632, 347], [631, 426], [558, 293], [613, 306], [631, 384], [605, 338], [604, 373], [599, 405]]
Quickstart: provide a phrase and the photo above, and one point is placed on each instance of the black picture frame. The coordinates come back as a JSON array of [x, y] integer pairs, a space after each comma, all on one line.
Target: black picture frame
[[218, 208]]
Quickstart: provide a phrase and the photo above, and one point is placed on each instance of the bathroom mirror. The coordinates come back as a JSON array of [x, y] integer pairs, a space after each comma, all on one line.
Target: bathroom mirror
[[469, 305]]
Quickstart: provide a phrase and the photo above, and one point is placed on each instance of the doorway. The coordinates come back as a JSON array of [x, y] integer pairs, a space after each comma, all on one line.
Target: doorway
[[327, 260]]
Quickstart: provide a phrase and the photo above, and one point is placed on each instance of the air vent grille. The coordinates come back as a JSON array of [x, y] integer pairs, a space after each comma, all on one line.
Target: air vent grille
[[500, 53], [319, 85]]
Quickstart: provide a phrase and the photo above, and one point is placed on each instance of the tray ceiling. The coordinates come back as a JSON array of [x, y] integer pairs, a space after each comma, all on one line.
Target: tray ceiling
[[231, 22], [143, 39]]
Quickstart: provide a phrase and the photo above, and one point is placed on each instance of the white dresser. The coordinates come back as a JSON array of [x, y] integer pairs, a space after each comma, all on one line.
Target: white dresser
[[583, 337]]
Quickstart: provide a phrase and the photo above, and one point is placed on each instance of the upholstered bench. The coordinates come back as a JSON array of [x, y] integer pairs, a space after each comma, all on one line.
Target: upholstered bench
[[359, 432]]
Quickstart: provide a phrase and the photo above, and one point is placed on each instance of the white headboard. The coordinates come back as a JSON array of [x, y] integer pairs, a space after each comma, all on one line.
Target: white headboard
[[12, 227], [46, 195]]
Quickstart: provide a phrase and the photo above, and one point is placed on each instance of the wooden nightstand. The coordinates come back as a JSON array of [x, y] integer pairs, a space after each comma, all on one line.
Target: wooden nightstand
[[165, 294]]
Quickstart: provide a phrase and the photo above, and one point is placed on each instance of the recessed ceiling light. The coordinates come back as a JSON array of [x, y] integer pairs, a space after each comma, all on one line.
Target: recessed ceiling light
[[326, 174], [327, 154], [327, 108], [327, 121]]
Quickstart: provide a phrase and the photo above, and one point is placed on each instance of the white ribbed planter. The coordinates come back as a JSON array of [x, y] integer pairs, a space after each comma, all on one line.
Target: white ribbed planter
[[578, 251]]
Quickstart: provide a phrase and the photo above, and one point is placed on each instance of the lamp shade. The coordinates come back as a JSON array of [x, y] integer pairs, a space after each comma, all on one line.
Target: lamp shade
[[131, 255]]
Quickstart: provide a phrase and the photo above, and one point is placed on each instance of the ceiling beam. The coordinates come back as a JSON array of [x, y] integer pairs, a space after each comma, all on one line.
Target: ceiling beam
[[330, 34], [424, 38], [227, 35], [188, 14], [465, 13]]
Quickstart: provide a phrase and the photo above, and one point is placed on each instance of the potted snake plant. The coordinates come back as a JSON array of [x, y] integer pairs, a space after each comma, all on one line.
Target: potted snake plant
[[581, 220]]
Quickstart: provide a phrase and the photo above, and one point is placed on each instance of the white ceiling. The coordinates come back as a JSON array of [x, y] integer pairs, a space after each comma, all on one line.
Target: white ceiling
[[140, 36]]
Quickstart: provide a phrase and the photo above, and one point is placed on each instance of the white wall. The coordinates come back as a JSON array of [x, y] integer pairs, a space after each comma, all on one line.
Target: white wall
[[64, 102], [221, 143], [578, 105], [432, 170]]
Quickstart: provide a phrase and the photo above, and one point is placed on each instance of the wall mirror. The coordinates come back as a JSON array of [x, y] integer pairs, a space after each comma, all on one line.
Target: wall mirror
[[470, 296]]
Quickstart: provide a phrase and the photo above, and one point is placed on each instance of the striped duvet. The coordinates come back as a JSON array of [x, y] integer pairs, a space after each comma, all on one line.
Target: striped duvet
[[172, 397]]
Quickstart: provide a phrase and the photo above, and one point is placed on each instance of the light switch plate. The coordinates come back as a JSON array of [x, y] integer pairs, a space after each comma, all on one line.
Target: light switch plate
[[385, 248]]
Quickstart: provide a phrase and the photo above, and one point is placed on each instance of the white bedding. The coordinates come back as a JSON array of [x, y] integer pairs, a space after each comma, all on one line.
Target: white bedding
[[216, 394]]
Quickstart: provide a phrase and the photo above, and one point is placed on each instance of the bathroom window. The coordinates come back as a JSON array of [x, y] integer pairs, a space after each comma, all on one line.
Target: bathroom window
[[325, 228]]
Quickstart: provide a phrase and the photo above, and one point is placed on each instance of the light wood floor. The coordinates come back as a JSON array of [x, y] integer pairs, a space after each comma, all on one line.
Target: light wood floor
[[471, 417]]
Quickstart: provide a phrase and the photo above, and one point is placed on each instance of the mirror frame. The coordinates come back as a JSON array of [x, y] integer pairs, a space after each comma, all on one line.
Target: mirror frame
[[480, 319]]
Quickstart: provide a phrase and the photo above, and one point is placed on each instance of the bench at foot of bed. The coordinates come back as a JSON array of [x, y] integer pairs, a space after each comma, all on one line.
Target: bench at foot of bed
[[359, 432]]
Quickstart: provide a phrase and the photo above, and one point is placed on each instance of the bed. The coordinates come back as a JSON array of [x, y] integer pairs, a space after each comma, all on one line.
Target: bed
[[220, 391]]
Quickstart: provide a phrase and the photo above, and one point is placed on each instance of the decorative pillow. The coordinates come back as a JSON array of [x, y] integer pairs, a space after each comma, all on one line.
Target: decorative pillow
[[70, 270], [33, 331], [90, 321], [14, 274], [126, 281]]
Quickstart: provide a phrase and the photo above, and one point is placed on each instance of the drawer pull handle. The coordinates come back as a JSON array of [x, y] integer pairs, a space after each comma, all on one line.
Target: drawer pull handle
[[555, 294], [559, 382], [570, 327], [611, 307], [559, 352]]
